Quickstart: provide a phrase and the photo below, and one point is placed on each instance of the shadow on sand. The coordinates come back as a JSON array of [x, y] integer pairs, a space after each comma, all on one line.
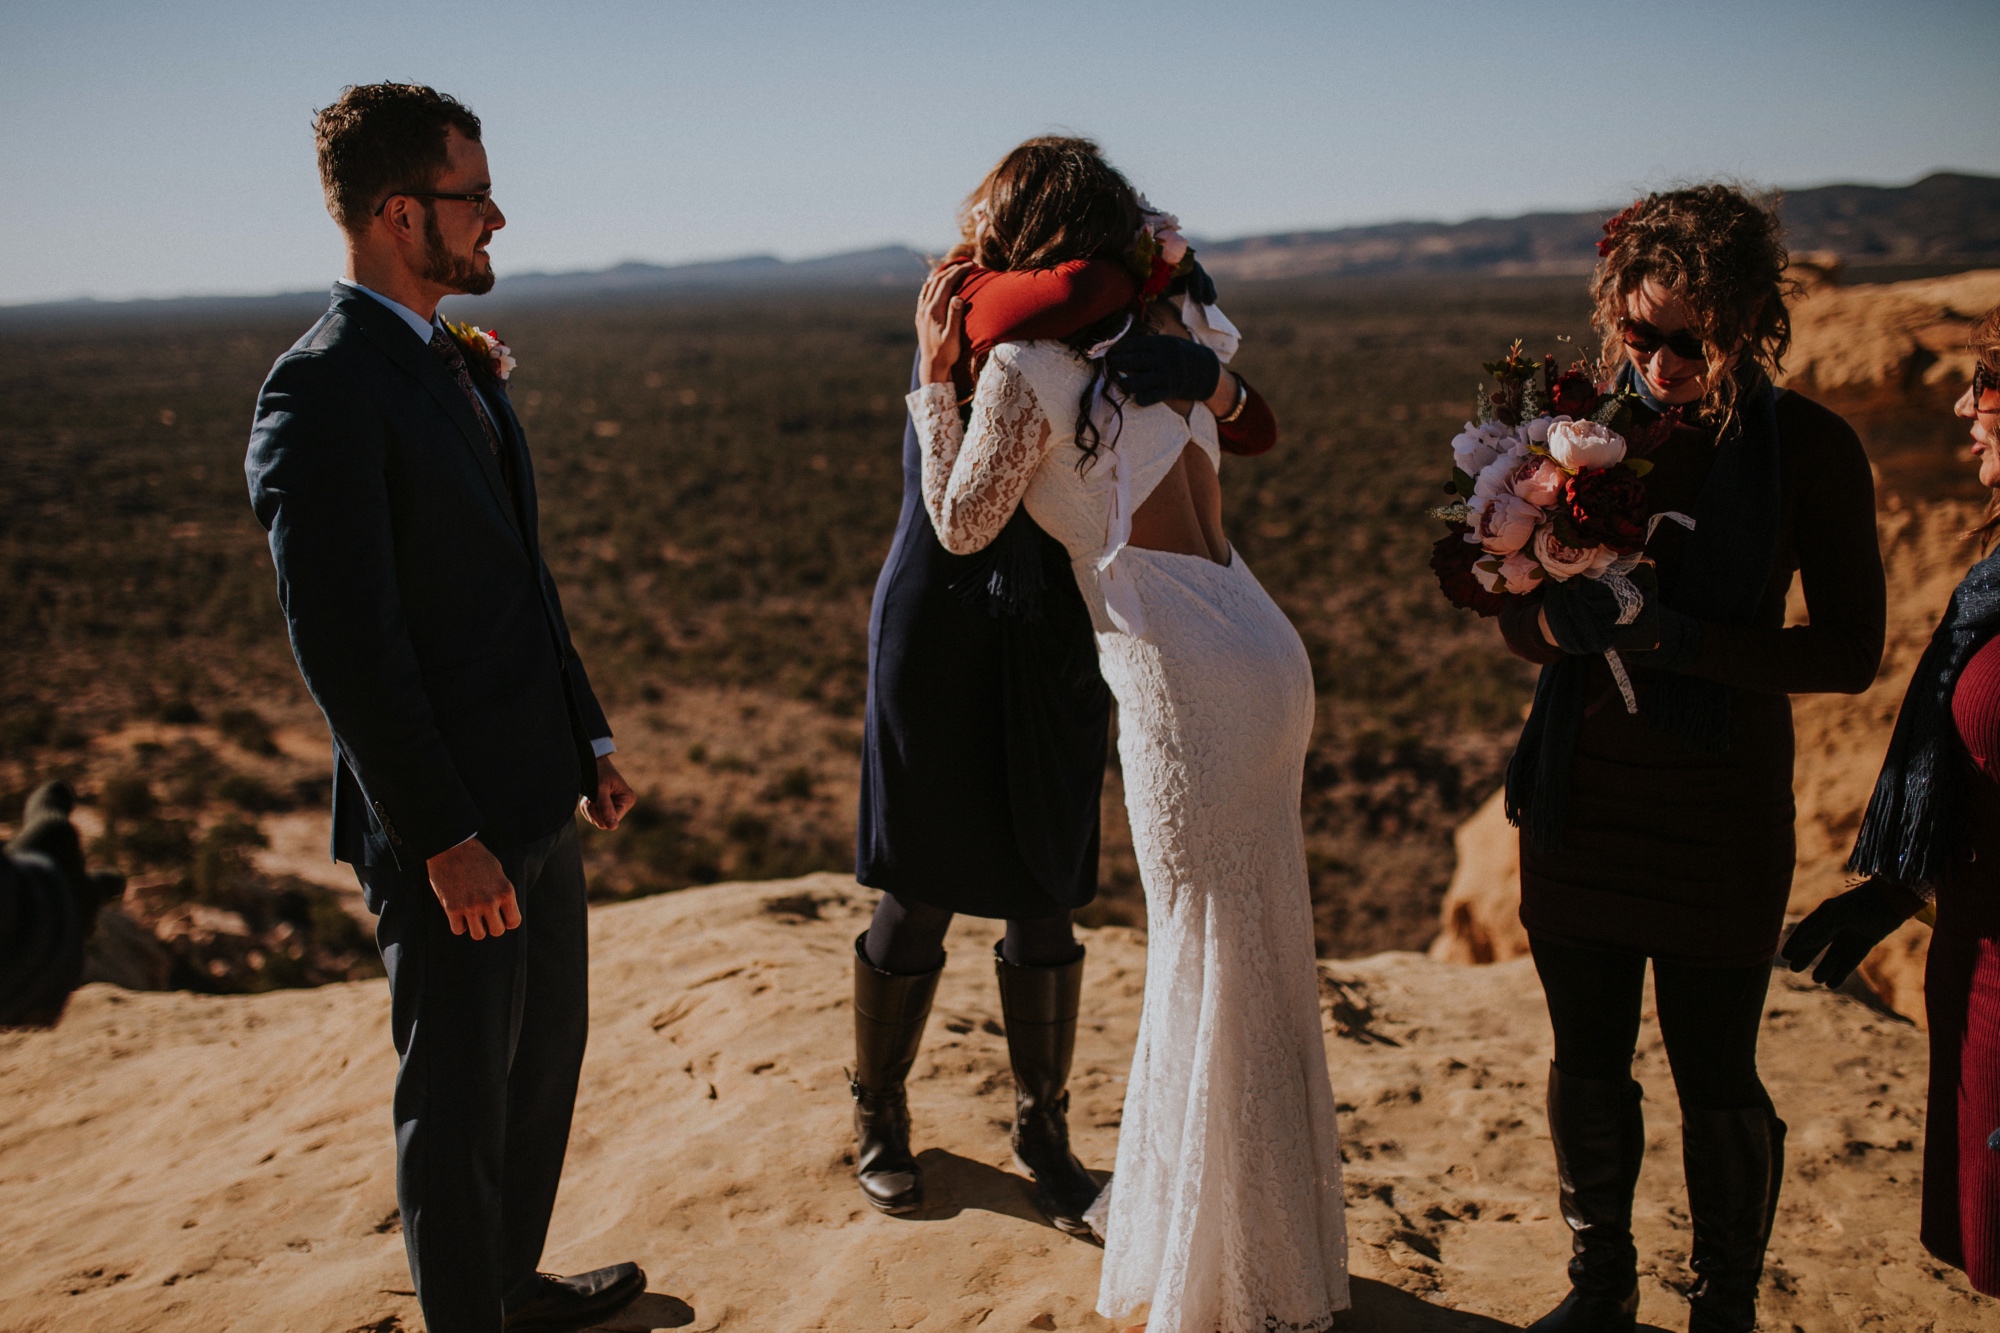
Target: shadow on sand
[[1381, 1308], [652, 1310], [954, 1184]]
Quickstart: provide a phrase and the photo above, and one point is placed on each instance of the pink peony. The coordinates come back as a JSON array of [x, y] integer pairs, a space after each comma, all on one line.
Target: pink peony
[[1505, 524], [1566, 562], [1520, 572], [1539, 482]]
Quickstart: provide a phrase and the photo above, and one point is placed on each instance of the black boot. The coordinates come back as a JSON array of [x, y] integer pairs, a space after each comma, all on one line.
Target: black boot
[[889, 1015], [1600, 1137], [1040, 1005], [1734, 1162]]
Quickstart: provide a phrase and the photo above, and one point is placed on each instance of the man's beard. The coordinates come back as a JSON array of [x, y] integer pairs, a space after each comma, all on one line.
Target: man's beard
[[446, 269]]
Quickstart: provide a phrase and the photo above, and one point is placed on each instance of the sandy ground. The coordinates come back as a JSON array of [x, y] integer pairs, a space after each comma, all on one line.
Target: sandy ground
[[180, 1162]]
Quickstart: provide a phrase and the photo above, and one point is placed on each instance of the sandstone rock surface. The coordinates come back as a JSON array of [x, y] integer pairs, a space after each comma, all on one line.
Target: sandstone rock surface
[[176, 1162]]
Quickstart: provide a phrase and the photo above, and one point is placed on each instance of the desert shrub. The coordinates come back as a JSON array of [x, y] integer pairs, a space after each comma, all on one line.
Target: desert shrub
[[191, 772], [794, 784], [247, 728], [26, 723], [252, 794], [221, 861], [155, 843], [179, 711], [127, 796], [655, 850]]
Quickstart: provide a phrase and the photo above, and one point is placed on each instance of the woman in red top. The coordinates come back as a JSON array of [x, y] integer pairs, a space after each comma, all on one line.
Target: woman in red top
[[985, 740], [1933, 831]]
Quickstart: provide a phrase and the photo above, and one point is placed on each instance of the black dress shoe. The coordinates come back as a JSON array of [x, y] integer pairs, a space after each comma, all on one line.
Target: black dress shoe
[[553, 1304]]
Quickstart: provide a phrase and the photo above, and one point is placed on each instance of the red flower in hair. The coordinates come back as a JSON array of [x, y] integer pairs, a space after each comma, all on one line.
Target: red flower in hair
[[1612, 228], [1157, 279]]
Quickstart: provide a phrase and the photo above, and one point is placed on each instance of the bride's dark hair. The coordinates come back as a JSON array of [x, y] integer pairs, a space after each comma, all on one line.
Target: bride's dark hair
[[1051, 200]]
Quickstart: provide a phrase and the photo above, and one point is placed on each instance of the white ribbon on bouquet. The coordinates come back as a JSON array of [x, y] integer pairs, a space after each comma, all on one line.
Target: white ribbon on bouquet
[[1617, 576]]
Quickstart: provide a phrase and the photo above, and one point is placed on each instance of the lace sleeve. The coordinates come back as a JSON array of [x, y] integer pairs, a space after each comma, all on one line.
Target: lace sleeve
[[975, 475]]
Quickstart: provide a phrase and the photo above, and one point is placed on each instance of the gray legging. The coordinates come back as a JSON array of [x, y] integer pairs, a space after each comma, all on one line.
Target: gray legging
[[906, 938]]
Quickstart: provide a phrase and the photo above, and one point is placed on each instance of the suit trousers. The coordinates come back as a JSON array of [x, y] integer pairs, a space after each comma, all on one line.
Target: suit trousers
[[490, 1034]]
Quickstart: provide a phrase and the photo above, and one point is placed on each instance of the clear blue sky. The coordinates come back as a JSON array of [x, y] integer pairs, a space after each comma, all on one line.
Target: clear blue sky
[[155, 149]]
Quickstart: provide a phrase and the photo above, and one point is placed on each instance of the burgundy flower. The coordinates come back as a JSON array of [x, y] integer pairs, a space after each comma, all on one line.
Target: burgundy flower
[[1451, 560], [1157, 277], [1573, 395], [1612, 228], [1607, 507]]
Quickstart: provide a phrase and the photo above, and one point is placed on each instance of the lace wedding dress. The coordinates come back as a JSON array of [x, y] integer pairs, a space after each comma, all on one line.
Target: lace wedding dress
[[1225, 1213]]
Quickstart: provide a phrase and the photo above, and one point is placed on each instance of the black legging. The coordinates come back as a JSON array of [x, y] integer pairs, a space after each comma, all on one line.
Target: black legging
[[1708, 1017], [907, 938]]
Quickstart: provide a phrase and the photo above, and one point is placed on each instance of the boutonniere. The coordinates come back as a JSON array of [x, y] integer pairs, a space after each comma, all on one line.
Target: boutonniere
[[484, 348]]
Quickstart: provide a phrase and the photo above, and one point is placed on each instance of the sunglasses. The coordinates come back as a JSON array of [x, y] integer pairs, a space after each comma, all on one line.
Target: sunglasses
[[1984, 381], [1646, 340]]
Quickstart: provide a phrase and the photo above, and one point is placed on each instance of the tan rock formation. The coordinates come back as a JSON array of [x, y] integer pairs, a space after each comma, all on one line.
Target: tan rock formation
[[184, 1163], [1481, 912], [1891, 336]]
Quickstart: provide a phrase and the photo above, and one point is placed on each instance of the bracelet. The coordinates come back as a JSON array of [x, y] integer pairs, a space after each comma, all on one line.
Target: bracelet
[[1242, 401]]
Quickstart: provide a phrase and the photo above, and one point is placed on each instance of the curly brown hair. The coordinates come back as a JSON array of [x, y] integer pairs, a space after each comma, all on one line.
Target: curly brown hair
[[1050, 200], [1723, 253], [377, 138]]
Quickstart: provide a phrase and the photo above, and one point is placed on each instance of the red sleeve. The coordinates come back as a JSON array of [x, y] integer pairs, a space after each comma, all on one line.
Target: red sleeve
[[1043, 302], [1254, 431]]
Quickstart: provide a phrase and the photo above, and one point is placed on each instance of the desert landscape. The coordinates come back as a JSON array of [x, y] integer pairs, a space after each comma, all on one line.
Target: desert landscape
[[202, 1142]]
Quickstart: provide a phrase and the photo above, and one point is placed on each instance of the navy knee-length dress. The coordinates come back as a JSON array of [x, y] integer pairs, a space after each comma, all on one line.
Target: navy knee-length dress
[[982, 760]]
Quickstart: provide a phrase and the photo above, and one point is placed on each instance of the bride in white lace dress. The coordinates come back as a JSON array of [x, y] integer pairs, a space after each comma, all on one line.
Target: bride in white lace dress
[[1225, 1212]]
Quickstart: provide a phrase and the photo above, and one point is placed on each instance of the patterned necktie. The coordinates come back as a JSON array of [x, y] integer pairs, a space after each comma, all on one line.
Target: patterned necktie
[[453, 356]]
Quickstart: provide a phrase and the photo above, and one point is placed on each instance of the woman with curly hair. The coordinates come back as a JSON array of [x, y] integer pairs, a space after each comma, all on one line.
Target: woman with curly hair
[[1666, 834], [1932, 832]]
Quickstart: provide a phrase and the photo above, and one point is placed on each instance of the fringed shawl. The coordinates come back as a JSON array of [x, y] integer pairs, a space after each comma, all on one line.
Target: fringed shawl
[[1913, 827]]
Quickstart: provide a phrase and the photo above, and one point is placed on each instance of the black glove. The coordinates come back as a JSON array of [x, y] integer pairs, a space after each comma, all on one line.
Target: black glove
[[1200, 286], [1155, 367], [1583, 614], [1847, 927]]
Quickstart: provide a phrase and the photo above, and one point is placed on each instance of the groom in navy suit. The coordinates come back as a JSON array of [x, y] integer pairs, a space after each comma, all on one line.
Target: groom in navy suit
[[394, 479]]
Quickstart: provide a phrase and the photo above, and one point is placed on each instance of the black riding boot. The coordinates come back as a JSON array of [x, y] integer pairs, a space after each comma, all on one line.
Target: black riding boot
[[1600, 1137], [889, 1015], [1040, 1005], [1735, 1163]]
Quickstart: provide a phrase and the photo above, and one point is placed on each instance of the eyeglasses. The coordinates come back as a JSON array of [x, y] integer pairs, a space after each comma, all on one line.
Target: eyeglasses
[[479, 202], [1646, 340]]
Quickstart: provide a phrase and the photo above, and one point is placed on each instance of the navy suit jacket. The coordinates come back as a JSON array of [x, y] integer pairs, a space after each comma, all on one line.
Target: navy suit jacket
[[422, 615]]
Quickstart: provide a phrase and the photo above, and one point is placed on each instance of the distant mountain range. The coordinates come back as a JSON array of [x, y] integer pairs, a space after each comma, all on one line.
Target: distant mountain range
[[1948, 219]]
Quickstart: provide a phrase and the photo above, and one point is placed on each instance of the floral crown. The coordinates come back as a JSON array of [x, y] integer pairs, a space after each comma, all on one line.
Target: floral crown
[[1159, 253]]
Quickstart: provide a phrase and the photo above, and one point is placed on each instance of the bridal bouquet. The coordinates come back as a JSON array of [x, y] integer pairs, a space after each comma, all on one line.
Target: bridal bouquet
[[1546, 489]]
